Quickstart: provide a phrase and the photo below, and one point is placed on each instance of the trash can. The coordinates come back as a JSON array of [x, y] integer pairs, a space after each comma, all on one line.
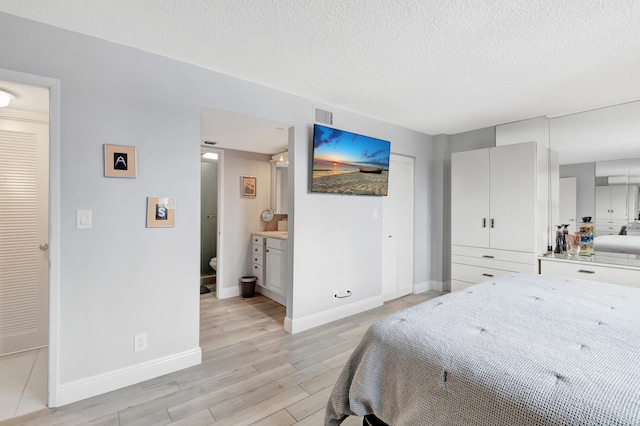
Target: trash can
[[248, 286]]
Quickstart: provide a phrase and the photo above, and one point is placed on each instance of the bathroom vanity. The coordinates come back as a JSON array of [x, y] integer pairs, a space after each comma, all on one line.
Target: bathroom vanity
[[269, 264]]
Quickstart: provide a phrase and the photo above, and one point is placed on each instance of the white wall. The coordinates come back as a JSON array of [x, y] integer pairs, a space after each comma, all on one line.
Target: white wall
[[532, 130], [121, 278], [241, 215]]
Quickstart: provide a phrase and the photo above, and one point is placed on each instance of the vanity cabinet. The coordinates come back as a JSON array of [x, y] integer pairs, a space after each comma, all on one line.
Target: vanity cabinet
[[257, 258], [269, 265], [500, 210], [276, 262]]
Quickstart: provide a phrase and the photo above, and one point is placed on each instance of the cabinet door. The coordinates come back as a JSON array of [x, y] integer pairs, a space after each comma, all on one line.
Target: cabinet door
[[276, 274], [618, 202], [470, 198], [603, 203], [512, 193]]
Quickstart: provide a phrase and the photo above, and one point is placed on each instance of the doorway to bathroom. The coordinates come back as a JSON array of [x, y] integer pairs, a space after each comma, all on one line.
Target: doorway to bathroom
[[209, 172]]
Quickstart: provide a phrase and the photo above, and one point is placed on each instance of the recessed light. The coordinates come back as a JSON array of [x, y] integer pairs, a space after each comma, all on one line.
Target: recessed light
[[5, 98], [210, 155]]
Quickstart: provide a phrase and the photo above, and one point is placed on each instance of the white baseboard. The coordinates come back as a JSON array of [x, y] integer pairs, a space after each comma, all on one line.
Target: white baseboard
[[225, 293], [429, 285], [301, 324], [112, 380], [272, 295]]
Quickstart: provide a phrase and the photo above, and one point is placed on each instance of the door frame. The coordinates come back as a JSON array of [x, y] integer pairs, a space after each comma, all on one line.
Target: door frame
[[220, 239], [54, 218]]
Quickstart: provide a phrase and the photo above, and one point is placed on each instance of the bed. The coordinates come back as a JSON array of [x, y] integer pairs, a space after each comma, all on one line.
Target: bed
[[522, 349], [617, 243]]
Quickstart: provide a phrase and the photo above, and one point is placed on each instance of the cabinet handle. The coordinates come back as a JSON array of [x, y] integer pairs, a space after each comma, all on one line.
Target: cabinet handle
[[487, 275], [492, 222], [484, 222], [585, 271], [255, 267], [486, 256]]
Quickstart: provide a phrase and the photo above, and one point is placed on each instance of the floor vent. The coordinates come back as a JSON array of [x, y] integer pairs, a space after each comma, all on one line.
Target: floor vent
[[323, 116]]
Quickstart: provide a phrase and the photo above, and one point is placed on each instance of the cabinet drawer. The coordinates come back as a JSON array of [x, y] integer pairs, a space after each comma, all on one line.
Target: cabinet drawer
[[474, 274], [605, 274], [504, 265], [257, 239], [257, 251], [276, 243], [257, 271], [257, 259], [498, 255]]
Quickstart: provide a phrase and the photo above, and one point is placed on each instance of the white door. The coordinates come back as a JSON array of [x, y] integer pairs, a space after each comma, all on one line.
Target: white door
[[470, 198], [512, 203], [568, 199], [619, 209], [24, 229], [397, 228]]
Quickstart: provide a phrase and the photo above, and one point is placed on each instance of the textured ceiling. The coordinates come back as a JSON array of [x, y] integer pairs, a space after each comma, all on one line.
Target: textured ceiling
[[436, 66]]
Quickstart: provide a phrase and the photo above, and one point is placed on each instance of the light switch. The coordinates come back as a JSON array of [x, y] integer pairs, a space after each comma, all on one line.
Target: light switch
[[83, 219]]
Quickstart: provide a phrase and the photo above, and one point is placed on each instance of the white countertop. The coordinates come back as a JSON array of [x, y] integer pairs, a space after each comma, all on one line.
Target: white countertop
[[281, 235]]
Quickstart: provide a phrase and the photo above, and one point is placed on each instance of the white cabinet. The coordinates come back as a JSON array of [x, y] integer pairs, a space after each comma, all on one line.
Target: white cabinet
[[592, 271], [611, 209], [276, 262], [500, 209], [257, 258], [269, 265]]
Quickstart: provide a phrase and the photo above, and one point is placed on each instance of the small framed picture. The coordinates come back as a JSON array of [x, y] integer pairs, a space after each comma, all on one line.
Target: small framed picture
[[119, 161], [249, 186], [160, 212]]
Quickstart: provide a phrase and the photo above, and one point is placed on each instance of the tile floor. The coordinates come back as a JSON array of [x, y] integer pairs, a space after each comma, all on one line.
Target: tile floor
[[23, 383]]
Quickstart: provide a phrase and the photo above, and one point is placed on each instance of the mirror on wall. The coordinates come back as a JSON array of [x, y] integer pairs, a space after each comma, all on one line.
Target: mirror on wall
[[280, 183], [609, 192]]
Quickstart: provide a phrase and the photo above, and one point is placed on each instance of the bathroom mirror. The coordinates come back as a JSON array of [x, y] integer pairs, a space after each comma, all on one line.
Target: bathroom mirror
[[280, 183]]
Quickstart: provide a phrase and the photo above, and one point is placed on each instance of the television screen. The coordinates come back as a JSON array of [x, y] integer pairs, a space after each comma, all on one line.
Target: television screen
[[348, 163]]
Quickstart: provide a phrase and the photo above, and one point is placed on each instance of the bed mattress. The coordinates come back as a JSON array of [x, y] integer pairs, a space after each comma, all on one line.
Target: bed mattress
[[629, 244], [518, 350]]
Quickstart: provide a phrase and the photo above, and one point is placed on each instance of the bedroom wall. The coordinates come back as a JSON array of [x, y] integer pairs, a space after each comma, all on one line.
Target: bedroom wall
[[120, 278], [467, 141], [585, 186]]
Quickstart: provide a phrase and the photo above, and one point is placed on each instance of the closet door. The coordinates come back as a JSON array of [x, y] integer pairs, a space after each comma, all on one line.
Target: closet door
[[470, 198], [603, 203], [618, 202], [513, 203]]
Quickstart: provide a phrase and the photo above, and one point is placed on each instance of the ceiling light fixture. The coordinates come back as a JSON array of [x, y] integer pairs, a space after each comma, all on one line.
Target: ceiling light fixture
[[210, 155], [281, 158], [5, 98]]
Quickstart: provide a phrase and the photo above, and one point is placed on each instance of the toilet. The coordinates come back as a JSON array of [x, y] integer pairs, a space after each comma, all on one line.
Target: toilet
[[214, 263]]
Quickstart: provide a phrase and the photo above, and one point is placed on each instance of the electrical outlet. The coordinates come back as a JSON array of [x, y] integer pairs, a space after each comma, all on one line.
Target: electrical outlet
[[140, 342]]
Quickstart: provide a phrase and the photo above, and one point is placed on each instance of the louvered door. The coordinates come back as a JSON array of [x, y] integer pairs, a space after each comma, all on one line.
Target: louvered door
[[24, 188]]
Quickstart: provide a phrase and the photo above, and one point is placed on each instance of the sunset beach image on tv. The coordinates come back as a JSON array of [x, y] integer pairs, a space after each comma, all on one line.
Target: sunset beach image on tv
[[349, 163]]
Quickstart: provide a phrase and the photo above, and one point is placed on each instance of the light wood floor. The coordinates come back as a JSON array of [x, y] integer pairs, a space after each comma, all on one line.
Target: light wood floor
[[253, 373]]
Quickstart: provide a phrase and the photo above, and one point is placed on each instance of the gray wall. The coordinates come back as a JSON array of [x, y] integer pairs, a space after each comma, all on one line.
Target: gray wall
[[585, 186], [120, 278], [467, 141]]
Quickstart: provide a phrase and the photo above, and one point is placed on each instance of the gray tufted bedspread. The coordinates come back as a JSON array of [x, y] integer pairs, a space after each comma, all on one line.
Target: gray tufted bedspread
[[518, 350]]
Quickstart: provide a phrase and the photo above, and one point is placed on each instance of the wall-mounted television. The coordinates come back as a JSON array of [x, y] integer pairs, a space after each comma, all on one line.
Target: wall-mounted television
[[349, 163]]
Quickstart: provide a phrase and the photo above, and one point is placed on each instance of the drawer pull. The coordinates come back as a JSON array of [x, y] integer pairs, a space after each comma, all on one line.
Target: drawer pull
[[484, 222], [255, 267], [487, 275], [492, 222], [486, 256], [585, 271]]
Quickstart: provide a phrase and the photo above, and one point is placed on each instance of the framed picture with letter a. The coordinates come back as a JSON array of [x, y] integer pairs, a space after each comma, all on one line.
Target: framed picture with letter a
[[120, 161], [160, 212]]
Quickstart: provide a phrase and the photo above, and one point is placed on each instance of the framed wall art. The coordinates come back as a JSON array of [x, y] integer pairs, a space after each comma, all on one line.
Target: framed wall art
[[120, 161], [161, 212], [248, 187]]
